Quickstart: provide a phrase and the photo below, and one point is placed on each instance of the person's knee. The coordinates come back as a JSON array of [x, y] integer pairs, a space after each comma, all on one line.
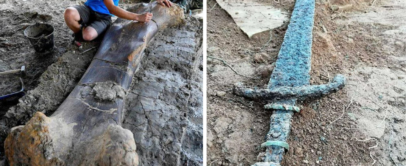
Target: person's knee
[[71, 13], [89, 34]]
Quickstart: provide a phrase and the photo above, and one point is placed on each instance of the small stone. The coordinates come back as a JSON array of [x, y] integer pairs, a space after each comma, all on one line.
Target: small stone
[[103, 91], [299, 152], [399, 44], [305, 161], [211, 50], [350, 40], [119, 91], [85, 91], [221, 93], [265, 70], [261, 58], [261, 156], [323, 139]]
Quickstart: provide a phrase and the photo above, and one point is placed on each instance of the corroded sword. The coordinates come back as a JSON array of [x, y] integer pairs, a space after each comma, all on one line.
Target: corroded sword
[[289, 82]]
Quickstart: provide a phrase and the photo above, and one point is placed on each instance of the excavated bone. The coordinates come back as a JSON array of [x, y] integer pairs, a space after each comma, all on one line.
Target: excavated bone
[[86, 128]]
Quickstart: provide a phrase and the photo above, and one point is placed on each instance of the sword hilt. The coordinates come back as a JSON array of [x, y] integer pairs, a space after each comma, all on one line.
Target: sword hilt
[[300, 93]]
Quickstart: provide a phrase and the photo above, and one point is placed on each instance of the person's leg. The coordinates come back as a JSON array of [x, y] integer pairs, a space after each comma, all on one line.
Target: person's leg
[[89, 33], [77, 17], [97, 27], [72, 18]]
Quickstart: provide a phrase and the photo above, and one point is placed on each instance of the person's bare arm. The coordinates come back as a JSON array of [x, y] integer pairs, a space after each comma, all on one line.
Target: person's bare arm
[[166, 3], [119, 12]]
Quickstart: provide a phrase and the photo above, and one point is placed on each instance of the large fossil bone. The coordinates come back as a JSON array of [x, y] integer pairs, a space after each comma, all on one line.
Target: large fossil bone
[[86, 128]]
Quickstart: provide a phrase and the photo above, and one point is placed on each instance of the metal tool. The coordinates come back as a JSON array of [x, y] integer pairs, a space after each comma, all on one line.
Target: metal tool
[[289, 82], [19, 93], [83, 52], [21, 71]]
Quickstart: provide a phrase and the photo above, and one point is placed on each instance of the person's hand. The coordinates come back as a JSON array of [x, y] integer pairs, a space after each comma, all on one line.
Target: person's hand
[[144, 17], [165, 3]]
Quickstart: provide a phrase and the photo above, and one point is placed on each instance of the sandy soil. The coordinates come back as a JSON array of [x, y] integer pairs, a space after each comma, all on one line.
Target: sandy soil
[[360, 125]]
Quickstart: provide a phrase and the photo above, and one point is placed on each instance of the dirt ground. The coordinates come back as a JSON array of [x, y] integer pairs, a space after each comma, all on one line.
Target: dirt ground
[[175, 77], [15, 49], [359, 125]]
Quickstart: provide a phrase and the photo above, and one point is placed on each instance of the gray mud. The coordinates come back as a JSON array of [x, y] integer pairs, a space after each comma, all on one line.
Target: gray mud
[[15, 49], [164, 106], [54, 86]]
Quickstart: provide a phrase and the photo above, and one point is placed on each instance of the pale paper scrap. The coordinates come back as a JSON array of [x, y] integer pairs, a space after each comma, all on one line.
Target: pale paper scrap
[[254, 16]]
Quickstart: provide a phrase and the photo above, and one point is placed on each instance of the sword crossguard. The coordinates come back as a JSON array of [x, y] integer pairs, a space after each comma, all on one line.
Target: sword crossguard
[[300, 93]]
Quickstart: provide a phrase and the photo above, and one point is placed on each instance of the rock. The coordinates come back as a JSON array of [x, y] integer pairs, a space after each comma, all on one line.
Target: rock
[[323, 139], [209, 61], [261, 58], [305, 161], [120, 92], [221, 126], [399, 45], [221, 93], [261, 156], [210, 138], [212, 49], [45, 17], [299, 152], [31, 14], [104, 91], [265, 71], [350, 40], [325, 42]]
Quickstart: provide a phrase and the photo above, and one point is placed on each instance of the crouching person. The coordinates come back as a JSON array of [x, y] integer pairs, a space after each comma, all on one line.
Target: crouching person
[[90, 20]]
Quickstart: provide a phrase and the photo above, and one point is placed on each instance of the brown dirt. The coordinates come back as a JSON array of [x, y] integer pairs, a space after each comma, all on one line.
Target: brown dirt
[[237, 126]]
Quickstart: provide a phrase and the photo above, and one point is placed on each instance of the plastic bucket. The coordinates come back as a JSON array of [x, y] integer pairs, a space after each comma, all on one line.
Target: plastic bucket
[[41, 36]]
